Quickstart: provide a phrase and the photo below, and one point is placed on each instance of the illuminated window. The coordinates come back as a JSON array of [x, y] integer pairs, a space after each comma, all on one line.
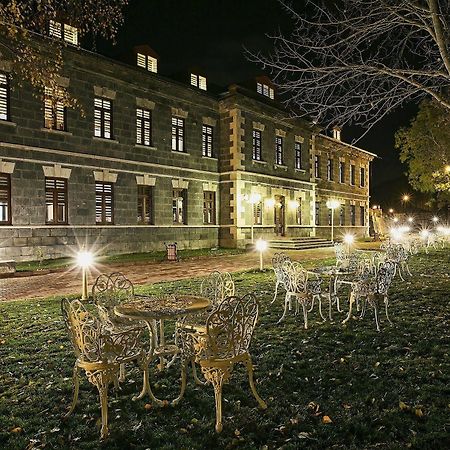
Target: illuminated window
[[362, 177], [4, 96], [257, 145], [54, 110], [198, 81], [143, 127], [145, 205], [265, 90], [342, 216], [64, 31], [56, 200], [362, 216], [209, 207], [341, 172], [298, 212], [352, 174], [317, 166], [207, 141], [179, 203], [177, 134], [103, 118], [353, 215], [317, 213], [298, 155], [147, 62], [104, 203], [5, 198], [278, 150], [257, 213], [330, 169]]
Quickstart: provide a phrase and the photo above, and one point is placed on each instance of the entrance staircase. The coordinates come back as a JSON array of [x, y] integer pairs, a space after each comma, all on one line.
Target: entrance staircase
[[299, 243]]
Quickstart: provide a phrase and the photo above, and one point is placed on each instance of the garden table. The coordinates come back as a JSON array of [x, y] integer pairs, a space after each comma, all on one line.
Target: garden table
[[150, 309]]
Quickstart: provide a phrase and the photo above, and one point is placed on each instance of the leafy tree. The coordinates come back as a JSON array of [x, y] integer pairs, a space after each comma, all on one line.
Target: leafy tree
[[354, 61], [425, 147]]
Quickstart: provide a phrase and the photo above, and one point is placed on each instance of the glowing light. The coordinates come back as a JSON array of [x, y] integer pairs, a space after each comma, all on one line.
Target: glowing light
[[261, 246], [374, 207], [333, 203], [435, 219], [254, 198], [391, 210], [85, 259], [447, 168], [270, 202], [294, 204], [395, 219], [396, 234], [410, 219], [424, 233], [406, 197], [349, 239]]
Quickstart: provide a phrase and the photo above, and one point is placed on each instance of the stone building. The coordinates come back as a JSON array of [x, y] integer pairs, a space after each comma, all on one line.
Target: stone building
[[149, 160]]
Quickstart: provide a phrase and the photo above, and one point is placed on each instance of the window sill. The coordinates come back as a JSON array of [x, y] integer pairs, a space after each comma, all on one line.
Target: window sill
[[180, 153], [301, 170], [60, 132], [209, 157], [8, 123], [257, 161], [147, 147], [100, 139], [280, 166]]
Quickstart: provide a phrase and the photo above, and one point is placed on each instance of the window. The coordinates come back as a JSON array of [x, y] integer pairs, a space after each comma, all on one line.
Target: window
[[257, 213], [143, 127], [147, 62], [104, 203], [265, 90], [207, 141], [353, 215], [56, 200], [362, 216], [298, 155], [278, 150], [64, 31], [209, 207], [257, 145], [5, 198], [298, 212], [198, 81], [317, 213], [54, 110], [330, 169], [4, 96], [352, 174], [342, 216], [179, 200], [341, 172], [317, 166], [145, 205], [177, 134], [362, 177], [103, 118]]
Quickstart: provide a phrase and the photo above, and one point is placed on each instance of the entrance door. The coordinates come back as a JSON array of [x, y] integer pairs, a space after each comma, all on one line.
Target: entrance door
[[279, 215]]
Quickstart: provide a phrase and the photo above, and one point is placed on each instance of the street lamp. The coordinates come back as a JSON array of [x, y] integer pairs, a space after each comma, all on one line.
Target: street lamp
[[332, 204], [253, 199], [391, 210], [84, 260], [349, 239], [261, 246]]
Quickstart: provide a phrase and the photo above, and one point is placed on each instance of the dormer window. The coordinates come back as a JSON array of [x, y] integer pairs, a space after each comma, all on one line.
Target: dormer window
[[147, 62], [198, 81], [63, 31], [265, 90]]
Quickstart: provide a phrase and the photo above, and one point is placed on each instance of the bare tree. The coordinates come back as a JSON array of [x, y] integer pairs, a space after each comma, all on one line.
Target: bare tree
[[354, 61], [39, 60]]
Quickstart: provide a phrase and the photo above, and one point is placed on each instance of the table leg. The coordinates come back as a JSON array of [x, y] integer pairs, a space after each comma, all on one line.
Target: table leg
[[162, 342], [330, 296], [352, 299]]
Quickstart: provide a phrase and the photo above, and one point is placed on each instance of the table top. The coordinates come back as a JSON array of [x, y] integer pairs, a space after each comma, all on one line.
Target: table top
[[331, 270], [162, 307]]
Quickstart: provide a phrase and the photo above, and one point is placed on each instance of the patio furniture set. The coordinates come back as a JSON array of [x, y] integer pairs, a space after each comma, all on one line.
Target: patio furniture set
[[212, 330]]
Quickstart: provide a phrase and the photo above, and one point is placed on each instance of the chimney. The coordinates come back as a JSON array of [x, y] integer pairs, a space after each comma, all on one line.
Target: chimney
[[336, 133]]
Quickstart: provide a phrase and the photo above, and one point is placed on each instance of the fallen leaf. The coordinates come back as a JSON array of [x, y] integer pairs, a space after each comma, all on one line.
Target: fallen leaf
[[148, 406], [418, 412], [16, 430], [326, 419], [403, 406]]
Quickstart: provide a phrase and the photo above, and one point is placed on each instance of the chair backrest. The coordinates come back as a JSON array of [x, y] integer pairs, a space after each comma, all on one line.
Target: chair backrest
[[217, 286], [277, 264], [230, 327], [385, 275], [84, 330], [295, 277], [111, 290]]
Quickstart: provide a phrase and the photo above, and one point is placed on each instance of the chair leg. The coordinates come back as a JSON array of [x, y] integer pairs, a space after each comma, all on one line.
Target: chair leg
[[216, 377], [375, 308], [386, 304], [122, 373], [249, 365], [305, 314], [76, 389], [103, 391], [312, 304], [286, 303], [184, 364], [320, 307], [276, 292], [195, 375]]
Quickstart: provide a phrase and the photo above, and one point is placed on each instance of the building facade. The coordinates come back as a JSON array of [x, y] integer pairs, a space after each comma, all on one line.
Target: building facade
[[148, 160]]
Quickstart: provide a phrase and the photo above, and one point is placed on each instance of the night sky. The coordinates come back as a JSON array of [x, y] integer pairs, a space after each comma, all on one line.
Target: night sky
[[212, 34]]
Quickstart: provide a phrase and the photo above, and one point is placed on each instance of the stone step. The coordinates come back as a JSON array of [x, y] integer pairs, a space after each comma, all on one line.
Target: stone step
[[299, 243]]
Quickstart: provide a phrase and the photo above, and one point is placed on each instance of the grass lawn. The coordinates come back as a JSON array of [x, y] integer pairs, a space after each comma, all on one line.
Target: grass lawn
[[386, 390]]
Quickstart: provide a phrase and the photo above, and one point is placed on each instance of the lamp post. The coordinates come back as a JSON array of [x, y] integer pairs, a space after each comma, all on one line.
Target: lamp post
[[84, 260], [332, 204], [261, 246], [252, 200]]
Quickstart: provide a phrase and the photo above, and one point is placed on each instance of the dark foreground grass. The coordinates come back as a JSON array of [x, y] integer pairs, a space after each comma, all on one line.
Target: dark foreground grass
[[384, 390]]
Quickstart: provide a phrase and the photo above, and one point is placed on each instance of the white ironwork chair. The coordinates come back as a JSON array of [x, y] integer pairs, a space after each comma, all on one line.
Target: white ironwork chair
[[277, 263], [225, 342], [99, 352], [397, 253]]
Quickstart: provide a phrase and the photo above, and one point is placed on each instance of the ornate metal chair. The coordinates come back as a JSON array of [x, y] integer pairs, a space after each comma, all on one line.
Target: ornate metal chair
[[397, 253], [215, 287], [277, 263], [225, 342], [99, 352], [371, 289]]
